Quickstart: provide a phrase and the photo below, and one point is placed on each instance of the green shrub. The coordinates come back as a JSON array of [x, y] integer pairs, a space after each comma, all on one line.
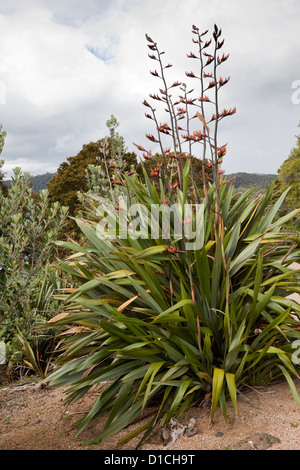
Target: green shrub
[[29, 225]]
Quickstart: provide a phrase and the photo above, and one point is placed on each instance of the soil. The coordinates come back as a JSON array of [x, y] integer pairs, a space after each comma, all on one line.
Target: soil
[[36, 418]]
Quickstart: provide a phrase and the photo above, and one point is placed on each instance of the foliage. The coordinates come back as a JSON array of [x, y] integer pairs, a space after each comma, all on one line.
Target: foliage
[[2, 142], [79, 174], [29, 226], [117, 143], [70, 177], [158, 320], [105, 179], [2, 138], [143, 325]]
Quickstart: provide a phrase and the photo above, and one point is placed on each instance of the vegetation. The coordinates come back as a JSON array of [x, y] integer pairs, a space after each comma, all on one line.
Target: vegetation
[[289, 177], [182, 316], [29, 226], [175, 290], [84, 173], [38, 182], [243, 181], [2, 141]]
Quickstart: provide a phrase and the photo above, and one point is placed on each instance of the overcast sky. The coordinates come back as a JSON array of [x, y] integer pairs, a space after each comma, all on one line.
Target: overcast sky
[[67, 65]]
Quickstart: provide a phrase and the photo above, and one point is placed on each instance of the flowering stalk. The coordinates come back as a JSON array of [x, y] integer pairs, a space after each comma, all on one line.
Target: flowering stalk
[[206, 137]]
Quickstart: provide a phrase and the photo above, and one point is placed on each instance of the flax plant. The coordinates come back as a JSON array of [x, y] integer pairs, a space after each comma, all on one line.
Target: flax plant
[[155, 322]]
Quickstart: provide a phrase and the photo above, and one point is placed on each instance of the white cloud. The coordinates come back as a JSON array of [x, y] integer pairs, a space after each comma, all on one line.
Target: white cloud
[[69, 65]]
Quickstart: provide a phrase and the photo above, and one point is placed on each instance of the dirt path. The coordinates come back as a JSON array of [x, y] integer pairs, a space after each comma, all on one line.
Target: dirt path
[[32, 418]]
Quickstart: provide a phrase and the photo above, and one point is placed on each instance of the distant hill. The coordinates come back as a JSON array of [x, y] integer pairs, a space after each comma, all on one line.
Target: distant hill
[[242, 181], [38, 182]]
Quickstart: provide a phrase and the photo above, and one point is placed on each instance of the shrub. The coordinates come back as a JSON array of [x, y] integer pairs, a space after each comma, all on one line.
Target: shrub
[[29, 226], [169, 319]]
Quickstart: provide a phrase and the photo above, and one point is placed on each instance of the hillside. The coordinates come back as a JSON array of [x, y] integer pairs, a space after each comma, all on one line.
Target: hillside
[[38, 182], [244, 181]]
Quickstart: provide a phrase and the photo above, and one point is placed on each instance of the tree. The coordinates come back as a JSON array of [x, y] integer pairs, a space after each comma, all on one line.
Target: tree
[[71, 177], [117, 143], [91, 168]]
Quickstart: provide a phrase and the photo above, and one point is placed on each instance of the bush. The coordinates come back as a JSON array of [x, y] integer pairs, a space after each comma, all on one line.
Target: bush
[[29, 225], [170, 319]]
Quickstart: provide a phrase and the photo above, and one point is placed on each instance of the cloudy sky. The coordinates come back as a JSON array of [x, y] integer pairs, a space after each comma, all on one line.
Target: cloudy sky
[[66, 66]]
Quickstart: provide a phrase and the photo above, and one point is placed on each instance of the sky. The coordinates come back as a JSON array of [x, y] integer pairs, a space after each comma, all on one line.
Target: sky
[[67, 66]]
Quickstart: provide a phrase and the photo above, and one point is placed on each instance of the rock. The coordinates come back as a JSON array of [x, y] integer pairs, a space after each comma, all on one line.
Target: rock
[[191, 428], [165, 435], [175, 430], [257, 441]]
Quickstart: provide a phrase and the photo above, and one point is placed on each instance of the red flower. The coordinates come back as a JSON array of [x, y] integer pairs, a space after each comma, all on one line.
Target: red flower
[[173, 186], [187, 101], [211, 84], [164, 128], [187, 220], [173, 250], [223, 58], [147, 156], [207, 43], [140, 147], [223, 82], [209, 60], [204, 98], [227, 112], [192, 56], [190, 74], [222, 152], [155, 97], [148, 38], [175, 84], [117, 182], [151, 137], [154, 172], [159, 272]]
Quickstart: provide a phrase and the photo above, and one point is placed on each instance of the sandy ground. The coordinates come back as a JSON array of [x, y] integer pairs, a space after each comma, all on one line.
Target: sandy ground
[[32, 418]]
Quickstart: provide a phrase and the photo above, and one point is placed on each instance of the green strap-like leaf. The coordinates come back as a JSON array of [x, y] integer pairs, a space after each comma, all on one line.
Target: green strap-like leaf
[[217, 386], [230, 379]]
